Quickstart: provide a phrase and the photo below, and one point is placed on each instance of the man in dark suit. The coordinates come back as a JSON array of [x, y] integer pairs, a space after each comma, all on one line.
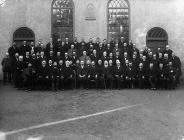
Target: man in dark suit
[[100, 74], [161, 77], [76, 43], [69, 76], [152, 76], [66, 45], [177, 64], [49, 47], [89, 43], [170, 73], [55, 75], [61, 68], [91, 75], [82, 47], [7, 68], [142, 76], [130, 75], [107, 75], [118, 74], [25, 48], [81, 74], [43, 76], [168, 51], [96, 44], [20, 66], [29, 77], [13, 50]]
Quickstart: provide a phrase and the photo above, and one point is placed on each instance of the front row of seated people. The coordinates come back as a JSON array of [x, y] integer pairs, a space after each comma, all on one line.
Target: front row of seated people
[[121, 69]]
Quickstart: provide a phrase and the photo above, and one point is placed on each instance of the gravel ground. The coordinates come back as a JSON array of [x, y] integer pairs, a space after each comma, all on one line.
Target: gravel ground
[[159, 117]]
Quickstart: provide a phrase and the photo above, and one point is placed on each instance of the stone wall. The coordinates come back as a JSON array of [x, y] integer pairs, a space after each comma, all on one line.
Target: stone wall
[[144, 15]]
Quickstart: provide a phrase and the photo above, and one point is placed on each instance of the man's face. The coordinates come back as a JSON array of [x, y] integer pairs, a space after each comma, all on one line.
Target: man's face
[[151, 65], [160, 66], [88, 62], [82, 63], [99, 62], [84, 52], [72, 46], [94, 51], [27, 53], [58, 53], [43, 63], [93, 63], [110, 54], [104, 54], [32, 43], [140, 66], [106, 65], [50, 62], [24, 43], [61, 62], [173, 55]]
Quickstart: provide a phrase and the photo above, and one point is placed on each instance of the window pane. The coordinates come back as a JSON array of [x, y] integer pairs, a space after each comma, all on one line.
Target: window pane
[[118, 19], [62, 18]]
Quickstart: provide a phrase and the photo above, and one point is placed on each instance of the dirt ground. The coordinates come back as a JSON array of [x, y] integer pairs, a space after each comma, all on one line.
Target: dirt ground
[[159, 115]]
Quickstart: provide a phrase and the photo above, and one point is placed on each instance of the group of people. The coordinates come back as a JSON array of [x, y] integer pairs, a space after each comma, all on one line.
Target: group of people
[[101, 65]]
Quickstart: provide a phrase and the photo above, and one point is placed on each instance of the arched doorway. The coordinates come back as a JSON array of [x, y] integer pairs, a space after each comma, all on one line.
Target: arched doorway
[[23, 34], [118, 19], [156, 38], [62, 19]]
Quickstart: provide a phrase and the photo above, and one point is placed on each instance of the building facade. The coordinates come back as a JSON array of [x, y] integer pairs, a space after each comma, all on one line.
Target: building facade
[[142, 21]]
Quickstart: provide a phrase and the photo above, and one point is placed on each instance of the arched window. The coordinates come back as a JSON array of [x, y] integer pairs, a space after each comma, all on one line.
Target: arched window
[[156, 38], [23, 34], [62, 19], [118, 19]]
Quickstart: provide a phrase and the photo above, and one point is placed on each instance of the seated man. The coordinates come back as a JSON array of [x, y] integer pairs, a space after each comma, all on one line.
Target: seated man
[[152, 76], [43, 76], [142, 76], [61, 68], [50, 68], [55, 76], [69, 76], [29, 76], [100, 74], [107, 75], [161, 77], [130, 76], [118, 74], [81, 74], [91, 75]]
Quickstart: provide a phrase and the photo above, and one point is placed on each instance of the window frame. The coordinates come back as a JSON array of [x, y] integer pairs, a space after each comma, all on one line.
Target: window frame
[[73, 18], [129, 19]]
